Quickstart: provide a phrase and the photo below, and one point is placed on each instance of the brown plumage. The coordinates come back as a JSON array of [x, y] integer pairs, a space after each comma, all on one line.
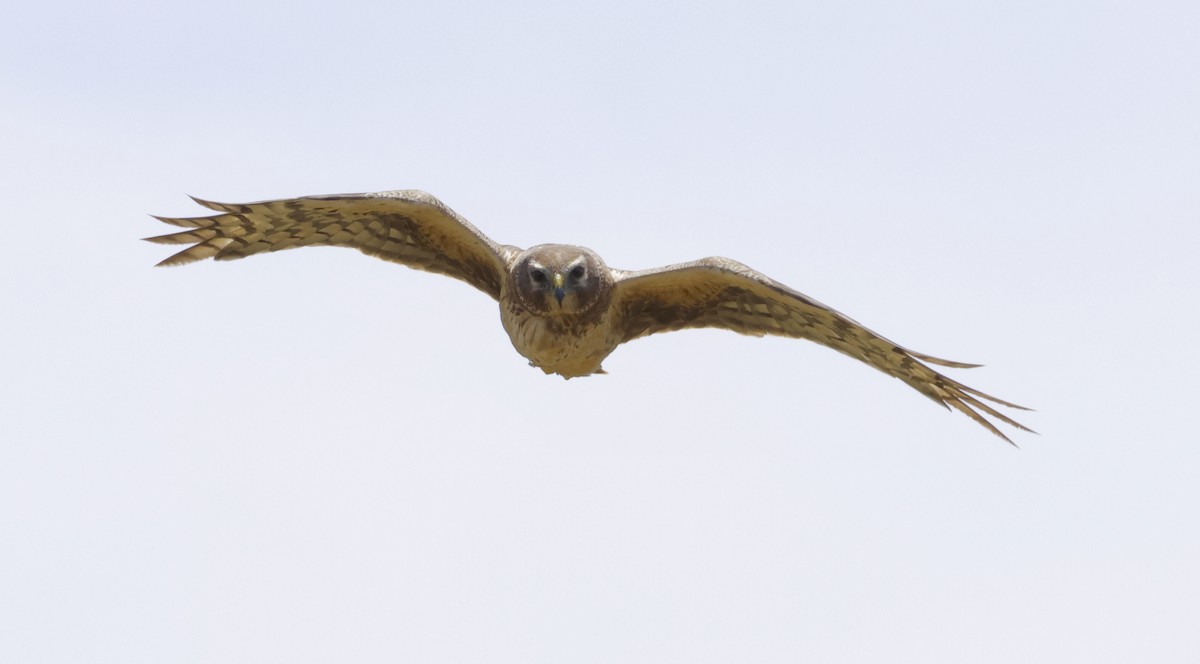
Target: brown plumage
[[562, 307]]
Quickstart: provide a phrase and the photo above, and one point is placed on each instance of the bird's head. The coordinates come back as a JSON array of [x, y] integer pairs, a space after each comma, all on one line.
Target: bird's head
[[561, 280]]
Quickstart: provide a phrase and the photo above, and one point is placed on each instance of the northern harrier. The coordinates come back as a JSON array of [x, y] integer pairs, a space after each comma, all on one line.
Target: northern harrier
[[563, 308]]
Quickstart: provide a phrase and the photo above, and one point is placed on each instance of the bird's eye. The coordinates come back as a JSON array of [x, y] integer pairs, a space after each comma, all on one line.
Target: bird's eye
[[538, 276], [577, 272]]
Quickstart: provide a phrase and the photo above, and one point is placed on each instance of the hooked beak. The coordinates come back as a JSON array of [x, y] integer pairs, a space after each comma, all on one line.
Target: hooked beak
[[559, 293]]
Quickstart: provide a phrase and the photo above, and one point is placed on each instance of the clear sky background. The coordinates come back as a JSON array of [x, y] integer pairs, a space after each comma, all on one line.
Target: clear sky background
[[314, 456]]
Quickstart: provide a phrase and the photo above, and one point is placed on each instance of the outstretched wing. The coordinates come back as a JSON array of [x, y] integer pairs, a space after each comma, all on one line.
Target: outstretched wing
[[408, 227], [718, 292]]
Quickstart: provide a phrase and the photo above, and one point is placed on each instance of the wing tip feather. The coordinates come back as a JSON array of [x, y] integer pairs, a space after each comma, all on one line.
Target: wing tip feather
[[969, 402], [212, 205], [186, 222], [980, 419], [942, 362], [210, 248]]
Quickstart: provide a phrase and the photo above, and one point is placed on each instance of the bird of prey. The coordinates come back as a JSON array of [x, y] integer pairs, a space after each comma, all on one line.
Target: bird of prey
[[562, 307]]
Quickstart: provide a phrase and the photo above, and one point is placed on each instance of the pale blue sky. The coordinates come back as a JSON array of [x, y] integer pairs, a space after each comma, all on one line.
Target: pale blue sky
[[314, 456]]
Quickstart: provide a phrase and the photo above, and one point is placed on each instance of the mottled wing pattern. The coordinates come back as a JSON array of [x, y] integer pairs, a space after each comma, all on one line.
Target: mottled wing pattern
[[409, 227], [721, 293]]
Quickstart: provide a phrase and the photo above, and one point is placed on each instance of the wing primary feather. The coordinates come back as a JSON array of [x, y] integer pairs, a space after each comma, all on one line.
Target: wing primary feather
[[961, 407], [187, 222], [966, 398], [184, 237], [940, 362], [199, 252], [993, 399], [219, 207]]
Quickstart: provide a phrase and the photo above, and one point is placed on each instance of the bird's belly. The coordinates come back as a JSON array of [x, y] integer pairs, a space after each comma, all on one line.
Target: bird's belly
[[556, 346]]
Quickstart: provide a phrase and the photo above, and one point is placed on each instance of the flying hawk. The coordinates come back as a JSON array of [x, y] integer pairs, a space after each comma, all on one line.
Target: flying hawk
[[563, 308]]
